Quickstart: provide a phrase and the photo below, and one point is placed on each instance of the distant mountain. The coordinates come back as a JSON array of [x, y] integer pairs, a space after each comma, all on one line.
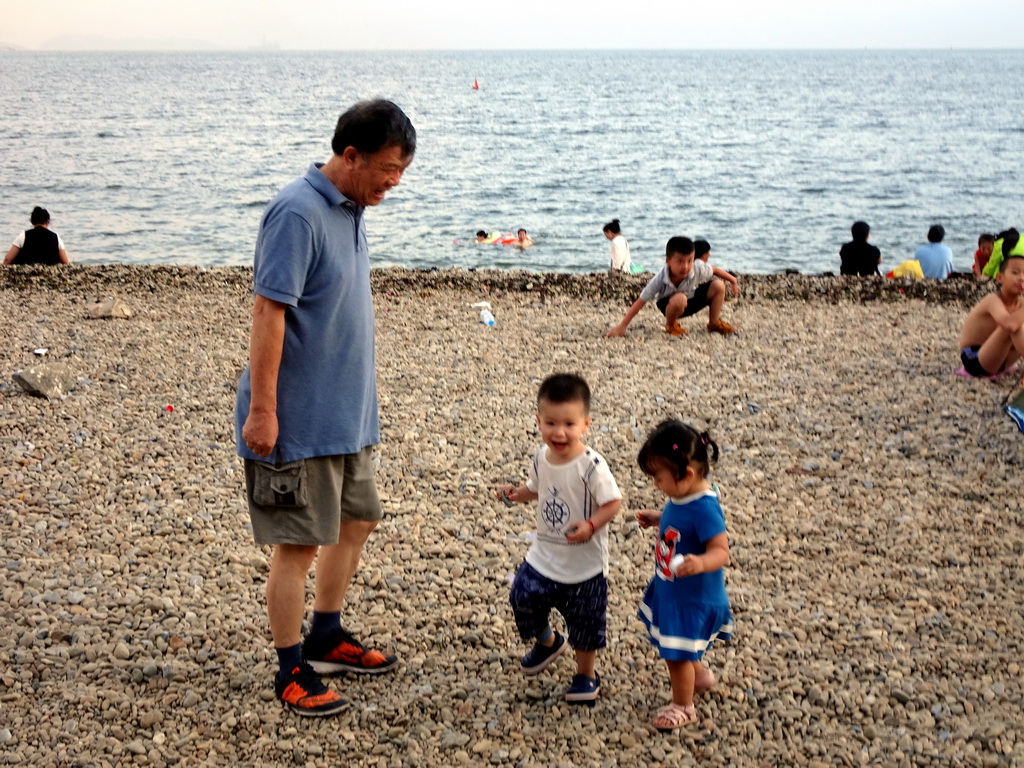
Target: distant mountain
[[100, 43]]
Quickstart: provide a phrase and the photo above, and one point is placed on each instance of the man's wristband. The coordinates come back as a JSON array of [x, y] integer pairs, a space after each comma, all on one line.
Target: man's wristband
[[592, 529]]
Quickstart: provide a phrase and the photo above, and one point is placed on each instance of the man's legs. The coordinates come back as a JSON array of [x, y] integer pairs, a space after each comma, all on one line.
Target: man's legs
[[336, 565], [329, 648], [286, 592], [296, 684]]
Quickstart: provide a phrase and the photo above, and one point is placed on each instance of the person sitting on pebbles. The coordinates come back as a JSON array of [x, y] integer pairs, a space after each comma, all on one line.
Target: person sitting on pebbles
[[682, 288], [566, 567], [993, 335], [39, 245]]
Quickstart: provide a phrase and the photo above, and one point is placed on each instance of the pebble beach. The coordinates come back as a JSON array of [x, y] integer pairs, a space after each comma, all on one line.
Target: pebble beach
[[873, 501]]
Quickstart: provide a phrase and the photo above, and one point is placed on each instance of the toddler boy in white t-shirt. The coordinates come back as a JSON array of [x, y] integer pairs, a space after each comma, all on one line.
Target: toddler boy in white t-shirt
[[566, 567]]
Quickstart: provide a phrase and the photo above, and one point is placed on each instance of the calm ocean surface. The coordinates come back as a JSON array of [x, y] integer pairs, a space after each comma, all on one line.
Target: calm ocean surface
[[171, 158]]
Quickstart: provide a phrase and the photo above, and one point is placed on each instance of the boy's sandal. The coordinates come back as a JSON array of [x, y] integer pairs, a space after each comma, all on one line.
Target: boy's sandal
[[721, 327], [674, 716], [677, 330]]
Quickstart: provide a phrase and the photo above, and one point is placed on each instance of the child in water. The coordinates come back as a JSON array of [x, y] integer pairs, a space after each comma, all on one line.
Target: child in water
[[993, 335], [566, 567], [685, 607], [682, 288]]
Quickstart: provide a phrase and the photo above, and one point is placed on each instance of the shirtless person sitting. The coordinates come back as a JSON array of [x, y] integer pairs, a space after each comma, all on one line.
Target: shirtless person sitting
[[993, 336]]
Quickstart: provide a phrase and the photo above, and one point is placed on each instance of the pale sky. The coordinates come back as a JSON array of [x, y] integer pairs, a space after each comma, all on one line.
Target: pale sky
[[526, 24]]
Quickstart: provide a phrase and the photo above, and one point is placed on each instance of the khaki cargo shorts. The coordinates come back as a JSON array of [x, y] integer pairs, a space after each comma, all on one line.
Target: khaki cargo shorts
[[304, 502]]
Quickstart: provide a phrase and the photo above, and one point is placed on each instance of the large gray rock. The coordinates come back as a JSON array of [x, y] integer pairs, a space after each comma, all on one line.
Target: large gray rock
[[111, 307], [51, 381]]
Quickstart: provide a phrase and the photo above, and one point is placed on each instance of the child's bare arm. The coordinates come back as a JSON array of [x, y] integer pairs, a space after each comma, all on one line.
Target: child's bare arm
[[519, 493], [1014, 320], [728, 277], [648, 517], [620, 329], [715, 557], [604, 514]]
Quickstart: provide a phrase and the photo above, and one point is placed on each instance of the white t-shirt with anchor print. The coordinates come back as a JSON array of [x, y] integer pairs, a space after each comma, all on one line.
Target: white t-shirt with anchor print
[[569, 493]]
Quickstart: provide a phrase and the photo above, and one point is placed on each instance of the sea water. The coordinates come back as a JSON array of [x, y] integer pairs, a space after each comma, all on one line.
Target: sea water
[[170, 158]]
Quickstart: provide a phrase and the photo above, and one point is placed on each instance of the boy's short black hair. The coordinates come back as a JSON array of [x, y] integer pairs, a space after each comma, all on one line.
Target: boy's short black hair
[[860, 231], [565, 388], [1002, 264], [935, 233], [700, 247], [681, 245], [481, 233], [39, 216], [986, 238]]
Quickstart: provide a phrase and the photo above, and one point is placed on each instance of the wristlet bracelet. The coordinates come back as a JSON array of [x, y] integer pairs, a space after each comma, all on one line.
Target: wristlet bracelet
[[593, 530]]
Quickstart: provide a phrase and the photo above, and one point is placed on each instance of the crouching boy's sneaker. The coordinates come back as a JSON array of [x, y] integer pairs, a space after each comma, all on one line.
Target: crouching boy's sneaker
[[341, 652], [302, 691]]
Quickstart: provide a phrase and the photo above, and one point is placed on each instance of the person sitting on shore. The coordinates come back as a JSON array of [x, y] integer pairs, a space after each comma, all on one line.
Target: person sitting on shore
[[993, 335], [682, 288], [38, 245], [981, 256], [936, 258], [859, 257], [702, 252], [620, 248], [523, 240], [1007, 243]]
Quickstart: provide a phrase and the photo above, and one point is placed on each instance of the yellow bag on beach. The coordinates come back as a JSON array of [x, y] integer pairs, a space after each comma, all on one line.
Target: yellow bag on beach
[[909, 268]]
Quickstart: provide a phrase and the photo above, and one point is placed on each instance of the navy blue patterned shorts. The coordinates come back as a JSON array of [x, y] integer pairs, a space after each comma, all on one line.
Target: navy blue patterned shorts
[[584, 607]]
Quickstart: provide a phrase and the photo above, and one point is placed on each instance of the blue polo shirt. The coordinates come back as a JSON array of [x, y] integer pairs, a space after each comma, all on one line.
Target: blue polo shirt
[[311, 255]]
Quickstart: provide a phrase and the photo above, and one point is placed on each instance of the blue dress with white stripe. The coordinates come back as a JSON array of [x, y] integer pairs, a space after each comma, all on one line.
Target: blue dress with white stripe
[[684, 616]]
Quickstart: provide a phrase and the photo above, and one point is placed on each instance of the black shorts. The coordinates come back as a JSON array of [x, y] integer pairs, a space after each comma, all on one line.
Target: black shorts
[[584, 607], [694, 304], [969, 359]]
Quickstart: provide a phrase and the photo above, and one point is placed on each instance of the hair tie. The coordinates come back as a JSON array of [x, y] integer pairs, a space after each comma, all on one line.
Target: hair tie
[[703, 440], [675, 447]]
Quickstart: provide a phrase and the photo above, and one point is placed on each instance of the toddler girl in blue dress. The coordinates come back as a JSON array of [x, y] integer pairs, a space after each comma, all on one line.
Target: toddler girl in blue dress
[[685, 607]]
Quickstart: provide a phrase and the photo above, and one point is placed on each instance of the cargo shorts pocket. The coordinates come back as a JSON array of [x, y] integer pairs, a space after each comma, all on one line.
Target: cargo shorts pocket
[[280, 486]]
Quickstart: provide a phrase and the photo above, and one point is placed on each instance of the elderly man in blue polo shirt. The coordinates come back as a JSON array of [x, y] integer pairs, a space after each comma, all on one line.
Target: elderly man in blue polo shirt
[[306, 412]]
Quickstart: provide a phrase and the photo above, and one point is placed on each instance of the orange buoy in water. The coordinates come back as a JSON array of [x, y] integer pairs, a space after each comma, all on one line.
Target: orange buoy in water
[[476, 86]]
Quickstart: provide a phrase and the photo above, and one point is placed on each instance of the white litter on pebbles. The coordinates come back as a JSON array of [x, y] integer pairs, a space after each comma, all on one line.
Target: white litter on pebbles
[[873, 502]]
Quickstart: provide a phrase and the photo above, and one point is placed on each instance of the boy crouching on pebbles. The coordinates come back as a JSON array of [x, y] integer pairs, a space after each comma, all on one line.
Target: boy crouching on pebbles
[[682, 288], [993, 335], [566, 567]]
